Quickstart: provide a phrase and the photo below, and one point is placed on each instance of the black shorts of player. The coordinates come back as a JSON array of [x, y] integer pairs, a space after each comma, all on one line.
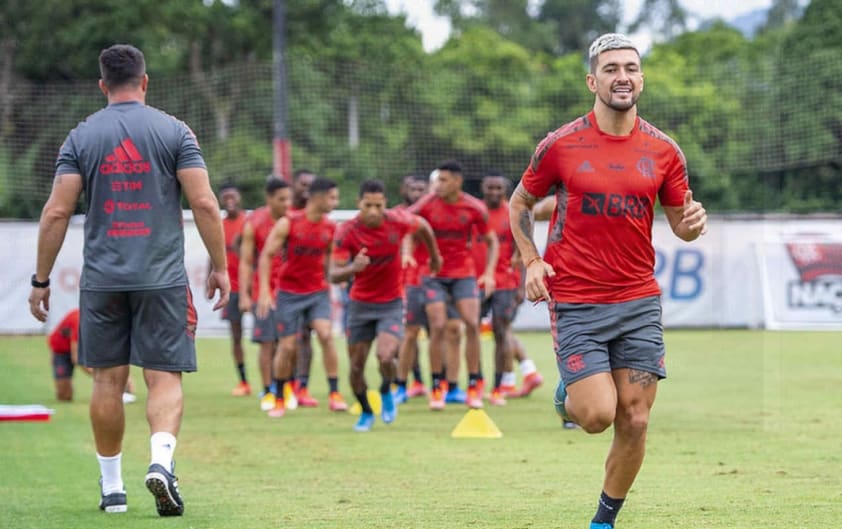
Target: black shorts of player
[[599, 338], [502, 305], [367, 320], [152, 329], [449, 289], [294, 311], [265, 330], [62, 365], [231, 310]]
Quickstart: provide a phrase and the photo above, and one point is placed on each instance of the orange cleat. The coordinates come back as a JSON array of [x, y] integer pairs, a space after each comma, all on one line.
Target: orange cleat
[[278, 410], [335, 402], [416, 389], [437, 399], [474, 399], [509, 391], [530, 382], [242, 390], [497, 397], [305, 400]]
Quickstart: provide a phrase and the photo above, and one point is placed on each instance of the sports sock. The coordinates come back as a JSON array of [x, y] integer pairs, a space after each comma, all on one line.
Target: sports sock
[[472, 379], [416, 373], [333, 383], [267, 389], [436, 381], [401, 383], [385, 386], [607, 510], [163, 446], [110, 468], [452, 385], [303, 381], [527, 367], [508, 379], [363, 400], [241, 369], [498, 379], [279, 387]]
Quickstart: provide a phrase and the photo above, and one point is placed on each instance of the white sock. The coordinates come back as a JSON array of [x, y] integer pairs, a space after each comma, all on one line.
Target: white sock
[[527, 367], [508, 379], [110, 468], [163, 446]]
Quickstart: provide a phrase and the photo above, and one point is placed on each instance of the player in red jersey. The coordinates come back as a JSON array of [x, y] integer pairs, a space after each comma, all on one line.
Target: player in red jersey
[[452, 214], [232, 225], [302, 295], [64, 346], [256, 229], [502, 304], [367, 248], [597, 274]]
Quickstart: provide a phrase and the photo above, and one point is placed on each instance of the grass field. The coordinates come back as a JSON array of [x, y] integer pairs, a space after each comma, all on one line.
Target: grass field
[[745, 434]]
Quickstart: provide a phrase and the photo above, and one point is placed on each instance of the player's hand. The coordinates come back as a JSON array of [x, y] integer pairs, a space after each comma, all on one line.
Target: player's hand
[[265, 303], [486, 281], [694, 217], [408, 261], [361, 260], [218, 281], [537, 274], [39, 303], [435, 263], [245, 302]]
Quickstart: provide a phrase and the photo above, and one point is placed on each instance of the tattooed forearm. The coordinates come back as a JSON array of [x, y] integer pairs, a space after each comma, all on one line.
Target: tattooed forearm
[[525, 223], [643, 378]]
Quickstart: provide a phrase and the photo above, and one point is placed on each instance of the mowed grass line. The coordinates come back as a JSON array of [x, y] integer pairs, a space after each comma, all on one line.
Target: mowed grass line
[[745, 434]]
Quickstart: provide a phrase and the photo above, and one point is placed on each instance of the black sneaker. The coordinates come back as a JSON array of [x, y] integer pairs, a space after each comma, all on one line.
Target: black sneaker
[[111, 503], [164, 486]]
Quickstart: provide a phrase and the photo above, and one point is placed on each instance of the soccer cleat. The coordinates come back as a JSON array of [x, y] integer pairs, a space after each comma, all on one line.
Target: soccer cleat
[[164, 486], [474, 397], [365, 422], [278, 410], [241, 390], [508, 391], [401, 395], [497, 397], [305, 400], [530, 382], [335, 402], [601, 525], [389, 411], [113, 502], [267, 401], [455, 395], [558, 401], [129, 398], [436, 399], [289, 396], [416, 389], [569, 425]]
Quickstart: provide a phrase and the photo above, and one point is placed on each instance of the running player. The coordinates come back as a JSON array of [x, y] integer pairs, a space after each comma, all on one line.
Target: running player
[[367, 249], [303, 296], [256, 229], [452, 214], [232, 225]]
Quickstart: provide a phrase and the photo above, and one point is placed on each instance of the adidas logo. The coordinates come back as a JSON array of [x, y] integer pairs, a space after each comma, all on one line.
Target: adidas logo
[[125, 159], [586, 167]]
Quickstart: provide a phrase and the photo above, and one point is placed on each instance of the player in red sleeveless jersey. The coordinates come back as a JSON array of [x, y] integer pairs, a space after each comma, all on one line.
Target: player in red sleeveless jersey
[[232, 226], [306, 237], [367, 248], [597, 273], [452, 214], [256, 229]]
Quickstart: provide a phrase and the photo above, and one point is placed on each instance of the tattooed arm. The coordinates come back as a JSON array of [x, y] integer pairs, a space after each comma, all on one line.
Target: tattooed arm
[[522, 221]]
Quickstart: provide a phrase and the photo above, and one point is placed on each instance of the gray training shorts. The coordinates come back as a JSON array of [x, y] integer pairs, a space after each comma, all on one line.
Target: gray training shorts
[[152, 329], [296, 310], [264, 329], [502, 305], [367, 320], [598, 338]]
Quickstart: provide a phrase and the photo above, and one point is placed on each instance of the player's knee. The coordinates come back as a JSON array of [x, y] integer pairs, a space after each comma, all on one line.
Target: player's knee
[[64, 394], [632, 422], [595, 421]]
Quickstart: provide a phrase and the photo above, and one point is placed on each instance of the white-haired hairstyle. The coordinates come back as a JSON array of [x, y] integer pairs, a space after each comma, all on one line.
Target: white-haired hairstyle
[[607, 42]]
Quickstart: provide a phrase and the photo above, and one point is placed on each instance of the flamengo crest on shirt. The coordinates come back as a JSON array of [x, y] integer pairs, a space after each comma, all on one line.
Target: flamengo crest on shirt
[[125, 159]]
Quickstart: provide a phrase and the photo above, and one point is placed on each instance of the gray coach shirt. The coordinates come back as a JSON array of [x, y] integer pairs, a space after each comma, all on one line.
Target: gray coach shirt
[[128, 155]]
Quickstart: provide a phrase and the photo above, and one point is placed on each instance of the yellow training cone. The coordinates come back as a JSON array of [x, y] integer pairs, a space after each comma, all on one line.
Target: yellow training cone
[[476, 424], [373, 400]]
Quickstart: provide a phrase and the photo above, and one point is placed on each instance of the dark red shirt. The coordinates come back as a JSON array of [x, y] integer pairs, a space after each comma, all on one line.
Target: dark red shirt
[[380, 281], [262, 222], [505, 277], [233, 229], [65, 334], [303, 270]]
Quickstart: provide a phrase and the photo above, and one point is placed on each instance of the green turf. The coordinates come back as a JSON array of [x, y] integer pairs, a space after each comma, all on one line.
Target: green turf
[[745, 434]]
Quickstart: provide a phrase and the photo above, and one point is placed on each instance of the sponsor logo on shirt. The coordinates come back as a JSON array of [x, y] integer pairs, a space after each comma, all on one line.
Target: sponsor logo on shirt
[[125, 159], [615, 205], [646, 167], [585, 167]]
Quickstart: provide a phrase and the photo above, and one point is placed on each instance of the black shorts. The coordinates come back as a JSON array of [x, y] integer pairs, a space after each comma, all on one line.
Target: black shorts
[[62, 365], [152, 329], [502, 304], [231, 311], [367, 320]]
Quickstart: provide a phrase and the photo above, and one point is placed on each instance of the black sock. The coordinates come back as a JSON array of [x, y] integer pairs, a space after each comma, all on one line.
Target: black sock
[[436, 380], [472, 379], [385, 387], [452, 385], [333, 383], [608, 509], [498, 378], [400, 383], [363, 400], [416, 373], [279, 387], [303, 381], [241, 369], [267, 389]]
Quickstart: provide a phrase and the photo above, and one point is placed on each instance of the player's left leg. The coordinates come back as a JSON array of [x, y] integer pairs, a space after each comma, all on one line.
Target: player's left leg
[[63, 376], [467, 305], [324, 334]]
